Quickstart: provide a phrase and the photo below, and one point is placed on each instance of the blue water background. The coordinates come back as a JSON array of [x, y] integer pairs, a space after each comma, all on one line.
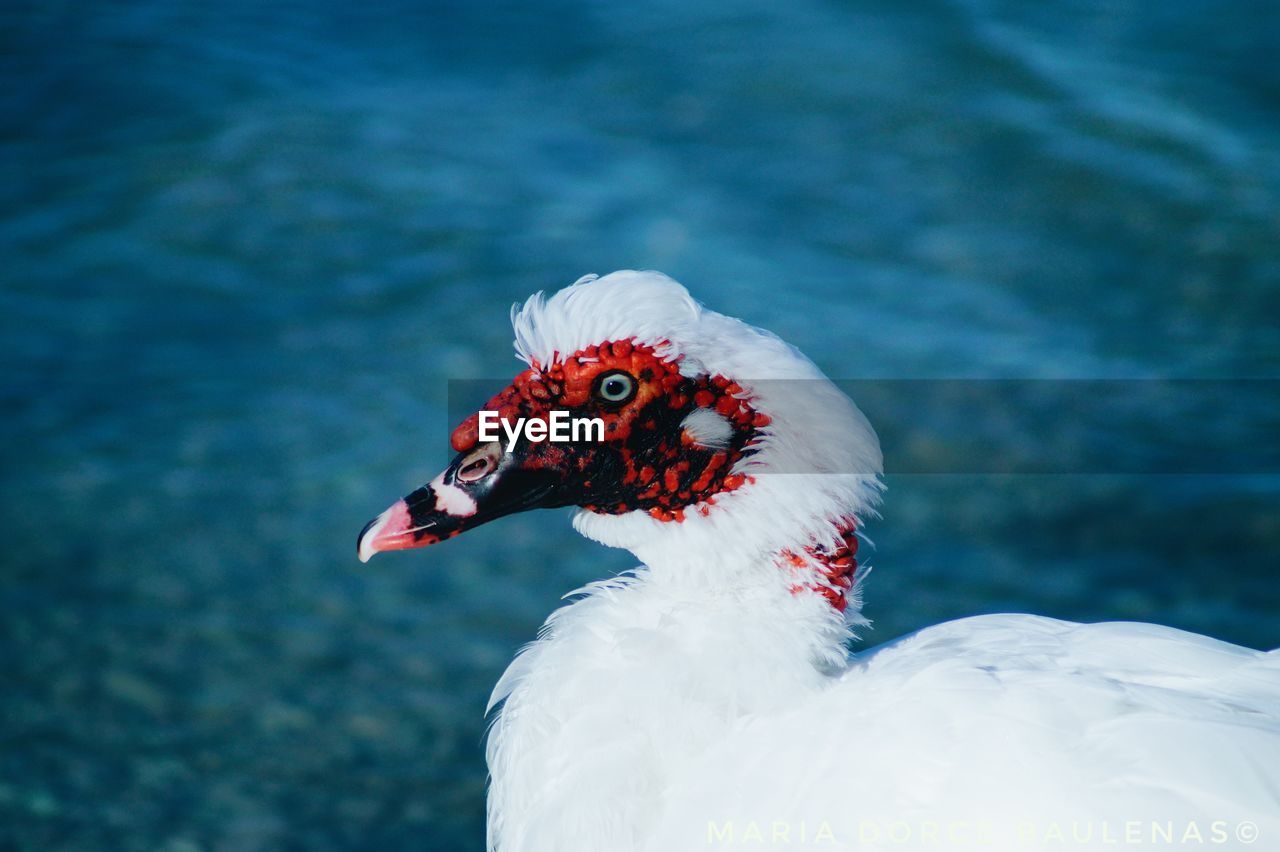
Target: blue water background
[[244, 246]]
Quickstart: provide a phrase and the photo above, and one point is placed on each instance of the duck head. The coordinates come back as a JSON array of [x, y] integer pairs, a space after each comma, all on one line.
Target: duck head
[[699, 436]]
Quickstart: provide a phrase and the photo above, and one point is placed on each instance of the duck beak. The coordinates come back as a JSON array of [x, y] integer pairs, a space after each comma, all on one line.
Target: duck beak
[[477, 487]]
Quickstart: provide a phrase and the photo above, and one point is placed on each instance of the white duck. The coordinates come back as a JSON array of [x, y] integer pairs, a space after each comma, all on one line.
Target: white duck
[[706, 699]]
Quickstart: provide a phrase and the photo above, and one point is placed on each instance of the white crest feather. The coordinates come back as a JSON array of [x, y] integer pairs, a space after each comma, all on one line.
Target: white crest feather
[[647, 307]]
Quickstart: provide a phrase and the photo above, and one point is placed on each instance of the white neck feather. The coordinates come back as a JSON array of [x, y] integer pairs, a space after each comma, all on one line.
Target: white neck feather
[[626, 683]]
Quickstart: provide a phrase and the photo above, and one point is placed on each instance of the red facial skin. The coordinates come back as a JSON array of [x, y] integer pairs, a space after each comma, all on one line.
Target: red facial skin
[[646, 461]]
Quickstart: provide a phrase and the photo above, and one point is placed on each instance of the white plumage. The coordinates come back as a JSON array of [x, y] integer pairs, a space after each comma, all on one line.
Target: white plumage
[[700, 702]]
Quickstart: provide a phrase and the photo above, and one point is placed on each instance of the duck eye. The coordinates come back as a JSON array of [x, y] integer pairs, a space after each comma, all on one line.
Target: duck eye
[[615, 387]]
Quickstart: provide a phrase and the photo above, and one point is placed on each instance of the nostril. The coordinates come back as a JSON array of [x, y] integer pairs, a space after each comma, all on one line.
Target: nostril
[[477, 464], [477, 468]]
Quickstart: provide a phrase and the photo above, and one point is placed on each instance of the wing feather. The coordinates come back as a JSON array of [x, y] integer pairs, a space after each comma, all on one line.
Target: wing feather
[[1018, 722]]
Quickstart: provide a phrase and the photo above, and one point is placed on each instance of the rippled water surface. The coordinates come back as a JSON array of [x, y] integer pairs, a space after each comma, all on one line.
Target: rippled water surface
[[246, 245]]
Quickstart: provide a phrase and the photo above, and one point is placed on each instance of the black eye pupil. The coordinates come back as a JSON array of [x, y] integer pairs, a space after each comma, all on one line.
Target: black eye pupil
[[614, 388]]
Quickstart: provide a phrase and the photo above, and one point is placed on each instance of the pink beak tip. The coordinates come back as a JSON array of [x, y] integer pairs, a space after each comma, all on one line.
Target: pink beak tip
[[385, 532]]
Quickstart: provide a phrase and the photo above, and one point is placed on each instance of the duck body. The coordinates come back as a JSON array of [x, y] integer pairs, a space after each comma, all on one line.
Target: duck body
[[633, 724], [708, 700]]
